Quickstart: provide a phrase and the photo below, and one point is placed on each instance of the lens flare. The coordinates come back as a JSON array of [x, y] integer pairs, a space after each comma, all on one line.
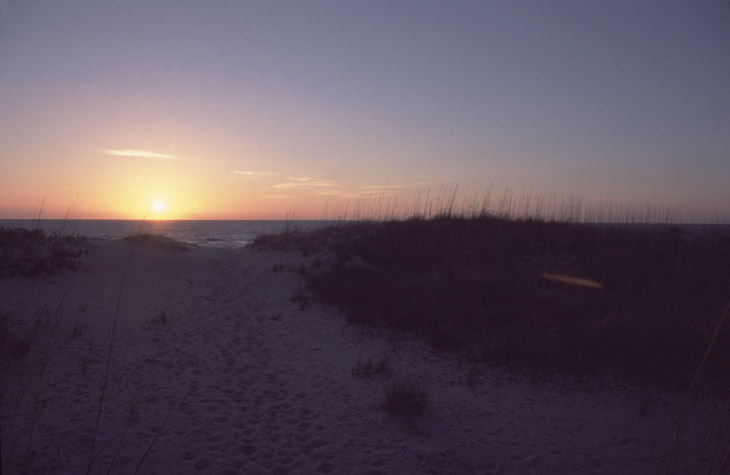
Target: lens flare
[[572, 280]]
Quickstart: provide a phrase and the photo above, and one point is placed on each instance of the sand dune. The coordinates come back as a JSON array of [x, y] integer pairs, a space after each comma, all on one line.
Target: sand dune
[[214, 369]]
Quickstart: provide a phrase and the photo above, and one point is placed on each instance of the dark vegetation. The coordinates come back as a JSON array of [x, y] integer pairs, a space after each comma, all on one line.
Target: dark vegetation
[[13, 343], [157, 241], [370, 367], [479, 283], [405, 398], [32, 252]]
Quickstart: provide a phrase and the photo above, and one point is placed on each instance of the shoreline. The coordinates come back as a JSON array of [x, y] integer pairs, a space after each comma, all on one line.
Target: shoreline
[[210, 343]]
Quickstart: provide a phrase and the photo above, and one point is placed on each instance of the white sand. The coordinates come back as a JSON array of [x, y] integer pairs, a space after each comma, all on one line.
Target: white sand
[[247, 382]]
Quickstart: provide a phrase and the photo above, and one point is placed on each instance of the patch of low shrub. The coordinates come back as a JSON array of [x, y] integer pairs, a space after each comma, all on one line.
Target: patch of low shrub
[[480, 282], [405, 397], [13, 344], [162, 319], [32, 252], [371, 366]]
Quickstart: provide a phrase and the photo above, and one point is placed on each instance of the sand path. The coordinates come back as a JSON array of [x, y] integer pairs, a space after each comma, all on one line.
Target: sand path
[[209, 343]]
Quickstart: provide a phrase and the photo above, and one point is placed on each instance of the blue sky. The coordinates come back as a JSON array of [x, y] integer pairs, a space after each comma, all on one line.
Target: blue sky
[[268, 107]]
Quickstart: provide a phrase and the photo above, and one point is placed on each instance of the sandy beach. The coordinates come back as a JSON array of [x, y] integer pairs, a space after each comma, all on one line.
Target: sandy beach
[[214, 369]]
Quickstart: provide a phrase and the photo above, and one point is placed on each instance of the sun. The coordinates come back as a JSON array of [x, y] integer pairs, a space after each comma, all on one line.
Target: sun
[[158, 206]]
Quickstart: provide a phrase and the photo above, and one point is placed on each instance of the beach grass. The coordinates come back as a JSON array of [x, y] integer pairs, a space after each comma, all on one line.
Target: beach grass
[[405, 397], [372, 366], [636, 300], [33, 252]]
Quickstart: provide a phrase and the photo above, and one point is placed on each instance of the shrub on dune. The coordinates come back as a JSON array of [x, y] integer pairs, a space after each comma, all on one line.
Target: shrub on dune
[[32, 252]]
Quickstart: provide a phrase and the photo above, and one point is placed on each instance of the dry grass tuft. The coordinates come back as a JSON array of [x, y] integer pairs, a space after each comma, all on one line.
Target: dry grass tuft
[[405, 397], [372, 366]]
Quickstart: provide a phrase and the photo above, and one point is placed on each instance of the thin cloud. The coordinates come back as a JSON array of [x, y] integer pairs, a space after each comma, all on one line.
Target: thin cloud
[[139, 154], [251, 173], [374, 190], [306, 182]]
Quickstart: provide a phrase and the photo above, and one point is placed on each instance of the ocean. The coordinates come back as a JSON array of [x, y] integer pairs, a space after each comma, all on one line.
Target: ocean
[[200, 233]]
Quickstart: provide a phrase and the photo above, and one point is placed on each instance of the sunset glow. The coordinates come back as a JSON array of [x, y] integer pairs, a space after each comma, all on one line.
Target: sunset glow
[[249, 111]]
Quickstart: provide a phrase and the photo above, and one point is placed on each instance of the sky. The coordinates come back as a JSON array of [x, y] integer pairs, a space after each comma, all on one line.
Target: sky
[[279, 109]]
